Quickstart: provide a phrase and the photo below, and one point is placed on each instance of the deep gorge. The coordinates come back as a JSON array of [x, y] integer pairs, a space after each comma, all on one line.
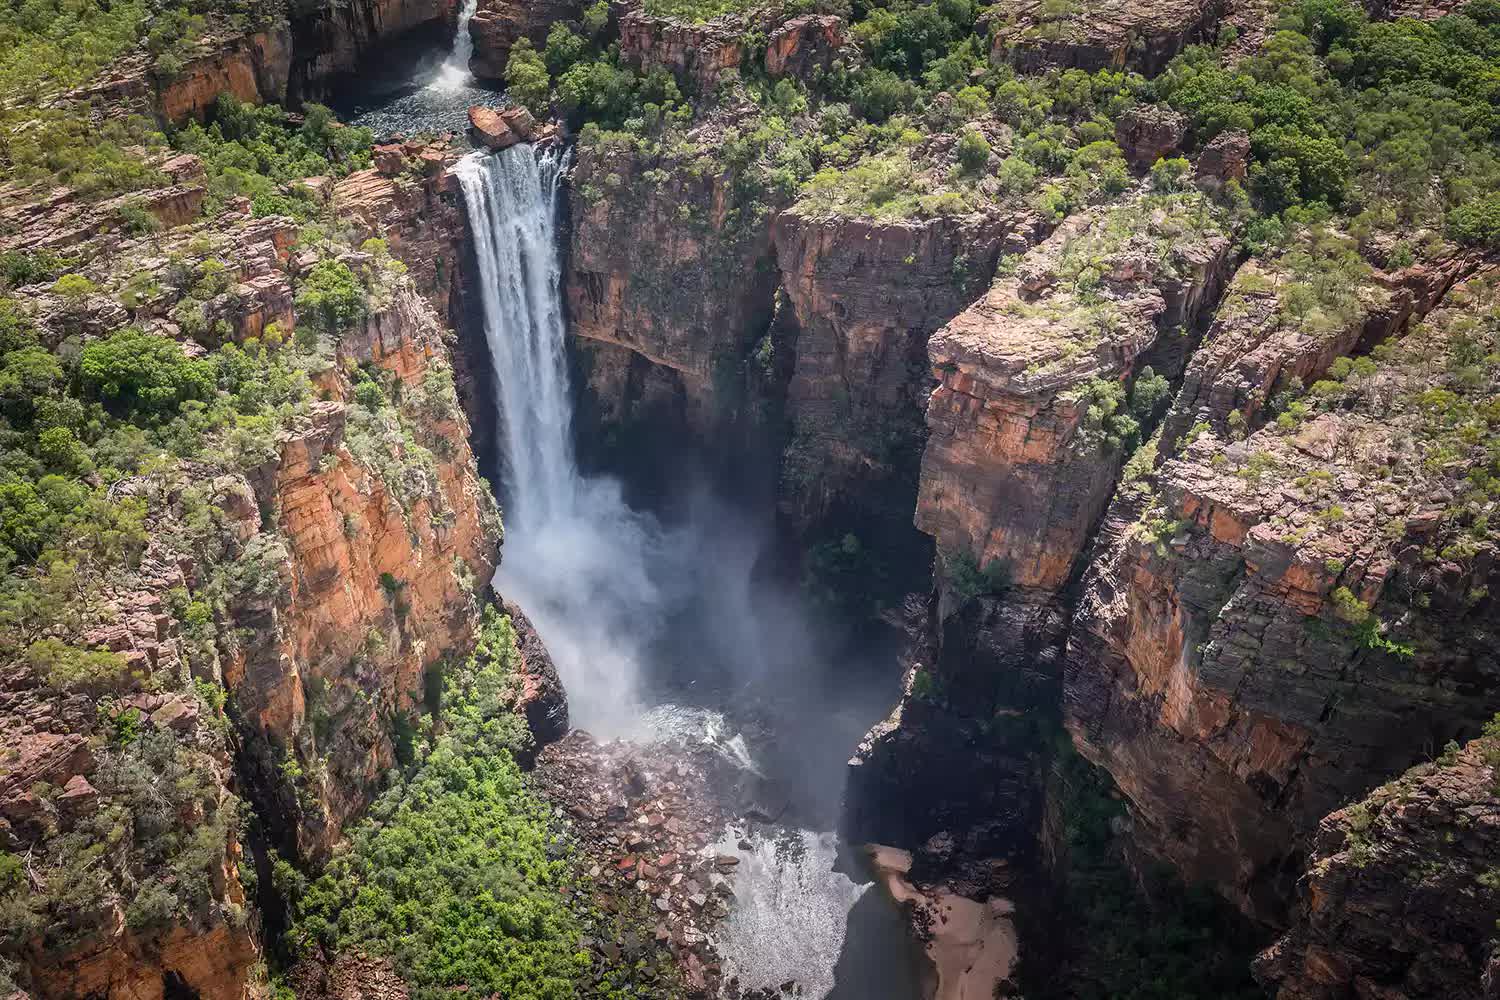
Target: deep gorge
[[1009, 517]]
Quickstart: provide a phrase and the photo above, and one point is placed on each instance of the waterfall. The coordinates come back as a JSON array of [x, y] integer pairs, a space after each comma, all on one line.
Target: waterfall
[[586, 567], [454, 72], [611, 591]]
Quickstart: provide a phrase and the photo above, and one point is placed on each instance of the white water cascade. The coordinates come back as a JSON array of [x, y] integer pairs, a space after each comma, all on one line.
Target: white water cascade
[[600, 581], [577, 558], [454, 72]]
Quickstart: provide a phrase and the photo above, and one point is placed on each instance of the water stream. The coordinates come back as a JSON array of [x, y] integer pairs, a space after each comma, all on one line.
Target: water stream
[[666, 630]]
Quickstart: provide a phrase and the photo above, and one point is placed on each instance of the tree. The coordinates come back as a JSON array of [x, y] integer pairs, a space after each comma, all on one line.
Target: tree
[[526, 76], [139, 374]]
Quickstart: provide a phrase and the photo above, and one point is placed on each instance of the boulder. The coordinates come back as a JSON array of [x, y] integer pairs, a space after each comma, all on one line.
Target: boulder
[[488, 128], [1149, 132], [390, 159], [520, 122], [1225, 159]]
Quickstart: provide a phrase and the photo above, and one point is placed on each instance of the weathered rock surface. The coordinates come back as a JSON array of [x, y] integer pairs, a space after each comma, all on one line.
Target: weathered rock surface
[[1399, 900], [699, 55], [1256, 347], [805, 46], [1014, 473], [1149, 132], [865, 295], [253, 68], [542, 699], [411, 200], [667, 262], [378, 554], [1290, 621], [498, 24], [1100, 34]]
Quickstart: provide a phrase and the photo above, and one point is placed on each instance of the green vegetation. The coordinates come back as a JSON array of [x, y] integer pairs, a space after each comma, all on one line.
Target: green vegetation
[[254, 152], [454, 874], [1170, 942]]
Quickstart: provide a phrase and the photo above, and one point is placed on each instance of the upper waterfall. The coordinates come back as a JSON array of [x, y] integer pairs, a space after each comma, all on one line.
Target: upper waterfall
[[454, 72]]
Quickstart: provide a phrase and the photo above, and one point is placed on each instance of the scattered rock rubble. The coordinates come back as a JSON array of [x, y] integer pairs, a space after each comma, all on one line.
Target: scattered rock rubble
[[645, 819]]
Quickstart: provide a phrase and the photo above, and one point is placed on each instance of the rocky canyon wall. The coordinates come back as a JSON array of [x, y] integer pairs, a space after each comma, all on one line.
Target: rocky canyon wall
[[1290, 619]]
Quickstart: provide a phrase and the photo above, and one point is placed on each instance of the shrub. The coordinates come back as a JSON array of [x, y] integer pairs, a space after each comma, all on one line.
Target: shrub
[[330, 298], [526, 77], [973, 152]]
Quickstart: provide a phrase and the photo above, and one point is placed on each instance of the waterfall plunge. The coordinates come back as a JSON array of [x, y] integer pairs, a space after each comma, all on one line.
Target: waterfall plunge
[[454, 72], [577, 558], [600, 581]]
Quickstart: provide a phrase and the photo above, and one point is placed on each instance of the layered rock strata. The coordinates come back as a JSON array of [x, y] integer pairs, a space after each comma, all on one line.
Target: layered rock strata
[[864, 297], [1262, 341], [1292, 618], [669, 261], [1100, 34], [1400, 898]]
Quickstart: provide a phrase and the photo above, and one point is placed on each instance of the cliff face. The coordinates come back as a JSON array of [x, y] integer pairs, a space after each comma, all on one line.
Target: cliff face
[[1026, 422], [699, 55], [670, 276], [1399, 899], [300, 574], [1291, 619], [334, 38], [382, 533], [865, 296], [498, 24], [253, 68], [1017, 468], [1258, 347], [1100, 34]]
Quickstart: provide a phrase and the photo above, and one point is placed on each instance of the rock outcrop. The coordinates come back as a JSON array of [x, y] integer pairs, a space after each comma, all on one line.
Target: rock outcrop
[[699, 55], [411, 199], [865, 295], [1292, 618], [1265, 339], [671, 263], [253, 68], [498, 24], [1025, 439], [1400, 899], [805, 46], [1100, 34]]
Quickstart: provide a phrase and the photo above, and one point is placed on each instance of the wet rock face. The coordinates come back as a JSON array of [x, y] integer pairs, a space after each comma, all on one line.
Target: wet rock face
[[1227, 664], [1100, 34], [865, 296], [542, 700], [1399, 899], [498, 24], [336, 38], [962, 756]]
